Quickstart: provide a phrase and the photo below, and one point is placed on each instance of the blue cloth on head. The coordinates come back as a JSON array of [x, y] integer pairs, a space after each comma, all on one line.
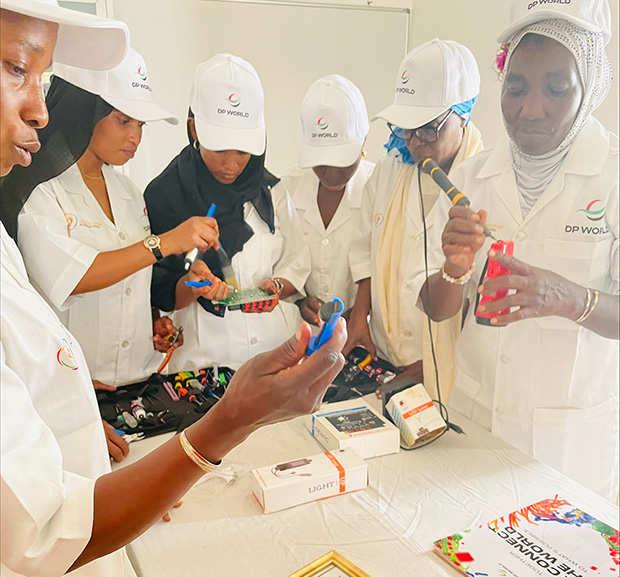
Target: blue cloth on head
[[396, 146]]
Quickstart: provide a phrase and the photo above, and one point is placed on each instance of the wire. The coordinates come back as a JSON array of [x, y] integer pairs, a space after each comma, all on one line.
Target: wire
[[443, 410]]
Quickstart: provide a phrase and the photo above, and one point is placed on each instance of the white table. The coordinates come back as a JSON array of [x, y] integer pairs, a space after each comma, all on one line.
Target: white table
[[413, 498]]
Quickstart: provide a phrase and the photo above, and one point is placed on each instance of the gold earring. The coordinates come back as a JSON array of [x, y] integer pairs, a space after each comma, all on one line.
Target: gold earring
[[196, 145], [363, 154]]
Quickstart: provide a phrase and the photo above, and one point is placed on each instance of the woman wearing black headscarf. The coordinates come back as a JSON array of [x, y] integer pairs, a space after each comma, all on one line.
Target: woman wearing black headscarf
[[225, 165]]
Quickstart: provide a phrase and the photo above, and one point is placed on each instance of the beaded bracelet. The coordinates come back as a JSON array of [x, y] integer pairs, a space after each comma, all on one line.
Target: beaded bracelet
[[591, 302], [195, 456], [461, 280], [279, 285]]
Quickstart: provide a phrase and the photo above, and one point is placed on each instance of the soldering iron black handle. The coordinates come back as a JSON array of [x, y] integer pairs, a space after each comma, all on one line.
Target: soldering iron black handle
[[440, 177]]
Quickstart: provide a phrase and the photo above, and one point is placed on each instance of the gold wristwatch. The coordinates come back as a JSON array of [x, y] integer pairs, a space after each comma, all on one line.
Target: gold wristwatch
[[153, 243]]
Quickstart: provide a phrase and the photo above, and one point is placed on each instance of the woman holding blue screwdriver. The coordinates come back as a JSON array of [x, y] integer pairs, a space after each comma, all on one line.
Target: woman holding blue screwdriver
[[261, 241], [82, 233]]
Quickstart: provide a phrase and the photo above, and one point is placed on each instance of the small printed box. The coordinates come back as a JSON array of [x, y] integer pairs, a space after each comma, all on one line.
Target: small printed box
[[413, 411], [357, 426], [309, 479]]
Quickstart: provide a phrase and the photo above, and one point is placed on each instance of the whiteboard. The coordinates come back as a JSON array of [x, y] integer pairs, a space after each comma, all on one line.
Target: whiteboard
[[291, 44]]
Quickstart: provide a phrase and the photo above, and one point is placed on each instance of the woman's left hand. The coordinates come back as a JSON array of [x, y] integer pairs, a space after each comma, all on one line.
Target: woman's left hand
[[537, 293], [163, 330], [271, 286]]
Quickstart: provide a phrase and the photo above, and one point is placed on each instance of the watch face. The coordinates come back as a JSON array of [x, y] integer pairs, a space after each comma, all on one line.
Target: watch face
[[152, 242]]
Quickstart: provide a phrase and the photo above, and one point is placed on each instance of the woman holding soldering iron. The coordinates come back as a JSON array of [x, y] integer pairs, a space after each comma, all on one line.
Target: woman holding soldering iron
[[543, 374]]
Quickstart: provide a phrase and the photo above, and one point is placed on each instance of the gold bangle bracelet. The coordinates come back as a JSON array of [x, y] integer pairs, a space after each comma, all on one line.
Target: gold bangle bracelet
[[590, 305], [195, 456]]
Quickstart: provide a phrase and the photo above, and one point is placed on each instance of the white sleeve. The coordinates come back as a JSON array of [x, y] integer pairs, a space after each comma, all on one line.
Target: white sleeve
[[360, 254], [294, 263], [47, 513], [55, 261]]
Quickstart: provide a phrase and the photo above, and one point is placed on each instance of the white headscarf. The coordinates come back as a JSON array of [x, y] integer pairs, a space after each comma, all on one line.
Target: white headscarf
[[534, 173]]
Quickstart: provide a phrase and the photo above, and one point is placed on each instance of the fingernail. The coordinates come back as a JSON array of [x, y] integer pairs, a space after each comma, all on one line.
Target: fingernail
[[481, 289], [482, 308], [299, 332], [491, 253], [494, 321]]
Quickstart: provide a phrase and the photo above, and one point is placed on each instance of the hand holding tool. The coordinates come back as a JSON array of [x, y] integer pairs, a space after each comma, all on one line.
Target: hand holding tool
[[429, 166]]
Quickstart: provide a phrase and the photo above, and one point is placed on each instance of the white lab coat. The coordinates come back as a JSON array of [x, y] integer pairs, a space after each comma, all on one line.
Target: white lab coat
[[53, 445], [61, 229], [363, 256], [237, 337], [547, 385], [330, 275]]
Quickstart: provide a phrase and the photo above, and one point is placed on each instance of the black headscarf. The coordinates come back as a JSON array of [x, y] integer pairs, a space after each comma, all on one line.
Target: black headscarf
[[73, 115], [187, 188]]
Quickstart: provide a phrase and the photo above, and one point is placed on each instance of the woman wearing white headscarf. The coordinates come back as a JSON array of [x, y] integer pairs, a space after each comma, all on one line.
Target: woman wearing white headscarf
[[549, 383]]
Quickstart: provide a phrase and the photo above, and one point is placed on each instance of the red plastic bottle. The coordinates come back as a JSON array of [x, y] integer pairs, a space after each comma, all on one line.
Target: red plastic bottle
[[492, 270]]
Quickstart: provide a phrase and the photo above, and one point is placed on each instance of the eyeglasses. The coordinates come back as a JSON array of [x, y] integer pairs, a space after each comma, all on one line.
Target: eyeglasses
[[426, 133]]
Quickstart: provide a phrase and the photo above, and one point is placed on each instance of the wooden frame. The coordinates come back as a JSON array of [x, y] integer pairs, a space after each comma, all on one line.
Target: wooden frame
[[332, 560]]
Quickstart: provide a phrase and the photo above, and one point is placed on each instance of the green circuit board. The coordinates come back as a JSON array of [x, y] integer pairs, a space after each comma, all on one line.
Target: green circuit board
[[238, 299]]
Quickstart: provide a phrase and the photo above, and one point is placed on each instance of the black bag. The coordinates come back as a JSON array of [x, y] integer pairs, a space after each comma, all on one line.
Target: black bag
[[163, 403], [360, 376]]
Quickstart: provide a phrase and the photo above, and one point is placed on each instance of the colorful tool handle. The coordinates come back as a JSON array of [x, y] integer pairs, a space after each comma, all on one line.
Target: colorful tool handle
[[327, 330], [198, 284]]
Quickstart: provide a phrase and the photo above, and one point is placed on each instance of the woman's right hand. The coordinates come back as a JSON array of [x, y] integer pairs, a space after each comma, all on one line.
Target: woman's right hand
[[359, 334], [462, 238], [199, 232], [309, 309], [199, 272]]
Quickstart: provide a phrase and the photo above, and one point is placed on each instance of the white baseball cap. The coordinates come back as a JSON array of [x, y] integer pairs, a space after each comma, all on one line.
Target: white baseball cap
[[334, 123], [228, 104], [125, 87], [84, 40], [432, 77], [593, 15]]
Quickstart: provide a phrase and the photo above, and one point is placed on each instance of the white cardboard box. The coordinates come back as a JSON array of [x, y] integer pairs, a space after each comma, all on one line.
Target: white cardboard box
[[309, 479], [415, 414], [358, 426]]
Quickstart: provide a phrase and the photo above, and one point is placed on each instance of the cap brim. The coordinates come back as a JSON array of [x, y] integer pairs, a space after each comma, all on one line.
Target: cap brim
[[84, 40], [140, 110], [213, 137], [341, 155], [409, 116], [539, 15]]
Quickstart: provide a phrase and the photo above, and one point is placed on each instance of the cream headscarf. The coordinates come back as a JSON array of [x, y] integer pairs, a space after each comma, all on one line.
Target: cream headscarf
[[389, 253], [534, 173]]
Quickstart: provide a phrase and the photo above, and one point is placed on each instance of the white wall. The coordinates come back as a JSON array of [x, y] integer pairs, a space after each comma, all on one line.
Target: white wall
[[175, 35]]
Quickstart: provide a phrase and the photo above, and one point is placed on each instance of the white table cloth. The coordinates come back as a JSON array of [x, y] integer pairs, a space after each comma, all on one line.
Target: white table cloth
[[387, 529]]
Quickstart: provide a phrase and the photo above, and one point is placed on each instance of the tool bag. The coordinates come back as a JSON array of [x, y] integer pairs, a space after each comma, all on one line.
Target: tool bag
[[164, 403], [360, 376]]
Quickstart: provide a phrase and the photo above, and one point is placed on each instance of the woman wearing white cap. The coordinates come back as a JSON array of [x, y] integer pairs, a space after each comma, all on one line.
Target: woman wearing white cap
[[327, 187], [224, 165], [437, 85], [62, 509], [547, 384], [84, 234]]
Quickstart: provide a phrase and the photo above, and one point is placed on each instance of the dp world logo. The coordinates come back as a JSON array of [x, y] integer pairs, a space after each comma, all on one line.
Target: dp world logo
[[404, 77], [142, 72], [322, 123], [591, 211], [234, 100]]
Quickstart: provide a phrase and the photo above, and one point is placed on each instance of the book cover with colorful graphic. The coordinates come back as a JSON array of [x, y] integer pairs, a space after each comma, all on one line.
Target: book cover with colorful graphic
[[551, 537]]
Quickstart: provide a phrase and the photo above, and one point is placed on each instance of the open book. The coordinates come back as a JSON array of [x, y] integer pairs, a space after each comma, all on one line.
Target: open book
[[550, 538]]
